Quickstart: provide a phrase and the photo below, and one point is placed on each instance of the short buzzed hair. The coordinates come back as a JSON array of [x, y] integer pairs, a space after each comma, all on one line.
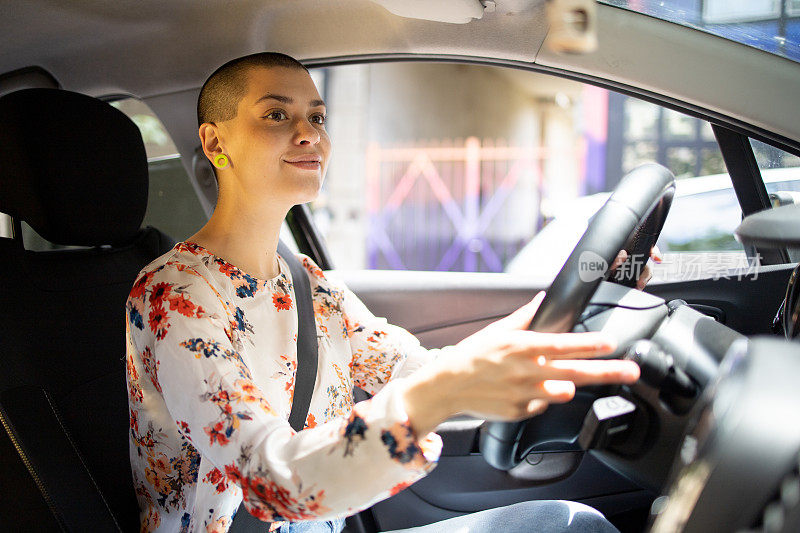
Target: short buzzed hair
[[225, 88]]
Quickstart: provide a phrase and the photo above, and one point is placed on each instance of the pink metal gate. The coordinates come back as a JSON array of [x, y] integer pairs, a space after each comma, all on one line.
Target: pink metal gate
[[432, 207]]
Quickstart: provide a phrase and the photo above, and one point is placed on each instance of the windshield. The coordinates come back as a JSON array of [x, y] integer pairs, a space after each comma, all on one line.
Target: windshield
[[771, 25]]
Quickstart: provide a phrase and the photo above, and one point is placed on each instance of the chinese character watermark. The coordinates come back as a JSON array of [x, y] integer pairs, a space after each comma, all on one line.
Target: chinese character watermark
[[682, 266]]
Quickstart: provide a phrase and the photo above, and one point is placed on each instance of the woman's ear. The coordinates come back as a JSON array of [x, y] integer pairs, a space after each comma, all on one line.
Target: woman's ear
[[210, 141]]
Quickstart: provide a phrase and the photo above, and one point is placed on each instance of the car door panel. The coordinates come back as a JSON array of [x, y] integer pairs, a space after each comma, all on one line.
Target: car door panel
[[424, 302], [442, 308], [747, 305]]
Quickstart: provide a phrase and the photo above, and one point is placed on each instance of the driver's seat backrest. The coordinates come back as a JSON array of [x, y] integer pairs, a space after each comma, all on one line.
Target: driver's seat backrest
[[75, 170]]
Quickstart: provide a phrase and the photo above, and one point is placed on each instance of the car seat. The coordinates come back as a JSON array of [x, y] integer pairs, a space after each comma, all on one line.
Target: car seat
[[75, 170]]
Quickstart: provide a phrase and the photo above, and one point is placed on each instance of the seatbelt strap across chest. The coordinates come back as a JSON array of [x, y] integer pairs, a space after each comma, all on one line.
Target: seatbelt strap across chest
[[306, 373]]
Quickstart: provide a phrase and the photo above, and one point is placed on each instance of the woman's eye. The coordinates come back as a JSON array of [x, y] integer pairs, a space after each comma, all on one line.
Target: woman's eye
[[318, 119], [276, 115]]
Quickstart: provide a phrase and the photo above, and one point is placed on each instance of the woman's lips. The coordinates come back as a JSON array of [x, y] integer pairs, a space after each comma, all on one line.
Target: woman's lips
[[306, 165]]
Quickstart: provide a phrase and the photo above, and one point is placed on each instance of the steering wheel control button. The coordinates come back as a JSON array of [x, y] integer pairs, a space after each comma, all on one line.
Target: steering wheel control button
[[607, 418]]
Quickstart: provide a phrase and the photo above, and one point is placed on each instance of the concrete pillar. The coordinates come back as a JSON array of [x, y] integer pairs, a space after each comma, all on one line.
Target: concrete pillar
[[341, 208]]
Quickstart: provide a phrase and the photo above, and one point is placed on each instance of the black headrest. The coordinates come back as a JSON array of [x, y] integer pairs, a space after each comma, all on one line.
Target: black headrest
[[74, 168]]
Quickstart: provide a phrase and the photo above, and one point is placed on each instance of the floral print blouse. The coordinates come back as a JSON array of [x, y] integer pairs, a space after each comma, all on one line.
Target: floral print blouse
[[211, 358]]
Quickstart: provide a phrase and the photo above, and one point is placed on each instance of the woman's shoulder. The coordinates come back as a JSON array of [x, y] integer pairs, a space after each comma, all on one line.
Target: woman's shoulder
[[327, 280], [311, 267], [183, 267], [177, 288]]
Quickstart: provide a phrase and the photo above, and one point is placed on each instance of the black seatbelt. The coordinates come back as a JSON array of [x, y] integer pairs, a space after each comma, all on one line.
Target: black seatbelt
[[305, 375]]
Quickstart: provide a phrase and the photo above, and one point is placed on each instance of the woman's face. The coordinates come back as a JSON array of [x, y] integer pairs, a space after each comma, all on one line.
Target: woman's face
[[277, 143]]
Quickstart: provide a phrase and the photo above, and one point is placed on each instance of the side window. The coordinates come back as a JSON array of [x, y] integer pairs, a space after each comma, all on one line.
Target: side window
[[460, 167], [172, 204], [697, 239], [780, 171]]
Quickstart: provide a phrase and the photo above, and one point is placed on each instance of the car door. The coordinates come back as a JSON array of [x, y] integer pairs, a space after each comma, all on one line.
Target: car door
[[421, 217]]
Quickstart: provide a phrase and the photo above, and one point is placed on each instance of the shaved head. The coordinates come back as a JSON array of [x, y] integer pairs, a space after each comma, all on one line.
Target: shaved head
[[224, 89]]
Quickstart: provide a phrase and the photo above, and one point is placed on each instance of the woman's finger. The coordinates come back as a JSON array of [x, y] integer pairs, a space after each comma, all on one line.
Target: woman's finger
[[558, 390], [521, 318], [655, 254], [588, 372], [531, 344], [536, 407], [552, 391], [622, 256], [644, 277]]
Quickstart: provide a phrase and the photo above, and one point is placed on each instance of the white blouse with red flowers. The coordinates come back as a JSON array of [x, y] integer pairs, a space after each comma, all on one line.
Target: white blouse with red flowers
[[211, 358]]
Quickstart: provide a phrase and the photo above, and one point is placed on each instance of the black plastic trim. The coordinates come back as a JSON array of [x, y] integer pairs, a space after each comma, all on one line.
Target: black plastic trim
[[743, 170], [747, 182], [306, 236]]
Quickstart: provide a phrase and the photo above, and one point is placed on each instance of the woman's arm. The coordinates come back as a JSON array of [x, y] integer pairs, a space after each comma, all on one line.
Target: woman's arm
[[502, 372], [505, 372], [380, 351]]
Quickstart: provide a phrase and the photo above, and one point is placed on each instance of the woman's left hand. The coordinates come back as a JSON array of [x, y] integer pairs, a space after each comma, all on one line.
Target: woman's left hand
[[646, 274]]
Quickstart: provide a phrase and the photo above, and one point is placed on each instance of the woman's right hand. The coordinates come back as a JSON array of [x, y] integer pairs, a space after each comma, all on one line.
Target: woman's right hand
[[506, 372]]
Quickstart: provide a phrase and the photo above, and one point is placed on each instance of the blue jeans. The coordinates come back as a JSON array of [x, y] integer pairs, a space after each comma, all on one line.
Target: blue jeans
[[545, 516], [331, 526]]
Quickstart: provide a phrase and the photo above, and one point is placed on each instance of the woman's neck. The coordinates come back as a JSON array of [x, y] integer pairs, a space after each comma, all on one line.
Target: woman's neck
[[244, 236]]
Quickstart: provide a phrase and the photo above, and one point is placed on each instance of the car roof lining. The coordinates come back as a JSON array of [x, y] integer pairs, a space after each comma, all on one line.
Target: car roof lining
[[123, 43], [123, 49]]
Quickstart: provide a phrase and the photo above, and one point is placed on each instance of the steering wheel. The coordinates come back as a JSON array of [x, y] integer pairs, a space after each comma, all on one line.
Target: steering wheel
[[631, 219]]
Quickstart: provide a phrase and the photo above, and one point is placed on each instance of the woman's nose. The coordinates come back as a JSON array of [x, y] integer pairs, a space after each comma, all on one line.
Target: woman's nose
[[306, 133]]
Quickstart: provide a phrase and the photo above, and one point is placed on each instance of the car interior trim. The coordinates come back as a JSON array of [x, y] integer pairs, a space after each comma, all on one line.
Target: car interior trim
[[4, 420], [27, 77], [747, 184], [307, 237], [47, 449]]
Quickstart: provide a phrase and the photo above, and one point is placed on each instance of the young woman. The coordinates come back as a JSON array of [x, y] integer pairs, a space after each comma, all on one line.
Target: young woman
[[212, 333]]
